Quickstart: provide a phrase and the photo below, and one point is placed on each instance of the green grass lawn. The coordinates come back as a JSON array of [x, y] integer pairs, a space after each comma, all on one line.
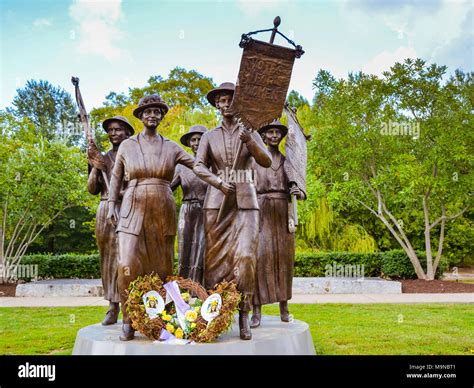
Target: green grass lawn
[[335, 328]]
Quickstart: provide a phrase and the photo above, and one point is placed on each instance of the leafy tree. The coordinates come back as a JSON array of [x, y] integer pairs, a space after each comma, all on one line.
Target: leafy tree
[[49, 108], [296, 100], [39, 180], [399, 147]]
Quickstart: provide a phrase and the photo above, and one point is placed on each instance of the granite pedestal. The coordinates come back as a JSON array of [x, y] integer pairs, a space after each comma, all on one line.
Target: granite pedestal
[[273, 337]]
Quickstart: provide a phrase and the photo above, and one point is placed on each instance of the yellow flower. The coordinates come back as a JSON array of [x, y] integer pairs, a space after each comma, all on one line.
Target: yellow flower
[[197, 308], [170, 328], [186, 296], [193, 325], [166, 317], [191, 315], [179, 333]]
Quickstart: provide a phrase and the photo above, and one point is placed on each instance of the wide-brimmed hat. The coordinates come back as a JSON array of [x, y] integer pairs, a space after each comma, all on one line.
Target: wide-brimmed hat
[[122, 120], [274, 124], [195, 129], [148, 102], [224, 87]]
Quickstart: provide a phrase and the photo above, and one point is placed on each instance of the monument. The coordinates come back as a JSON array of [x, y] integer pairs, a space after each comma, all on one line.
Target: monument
[[146, 168]]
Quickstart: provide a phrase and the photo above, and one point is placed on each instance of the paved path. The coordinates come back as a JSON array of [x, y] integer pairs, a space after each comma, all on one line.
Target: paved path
[[308, 299]]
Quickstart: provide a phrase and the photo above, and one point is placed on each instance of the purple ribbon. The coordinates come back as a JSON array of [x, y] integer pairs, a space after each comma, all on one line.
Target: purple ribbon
[[165, 335], [172, 289]]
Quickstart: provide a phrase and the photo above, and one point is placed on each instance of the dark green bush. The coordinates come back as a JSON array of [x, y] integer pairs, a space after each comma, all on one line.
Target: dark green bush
[[393, 264], [65, 266], [396, 264]]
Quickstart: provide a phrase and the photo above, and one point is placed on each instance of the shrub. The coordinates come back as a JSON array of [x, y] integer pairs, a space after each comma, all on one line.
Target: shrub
[[393, 264]]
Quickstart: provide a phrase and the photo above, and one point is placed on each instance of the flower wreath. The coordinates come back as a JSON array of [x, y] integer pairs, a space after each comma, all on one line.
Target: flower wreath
[[191, 325]]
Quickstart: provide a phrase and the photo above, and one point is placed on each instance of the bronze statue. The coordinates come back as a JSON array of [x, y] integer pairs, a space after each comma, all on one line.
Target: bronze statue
[[118, 129], [276, 249], [231, 241], [191, 240], [146, 225]]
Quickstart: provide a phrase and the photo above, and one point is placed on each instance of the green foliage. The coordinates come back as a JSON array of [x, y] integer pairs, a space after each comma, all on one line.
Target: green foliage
[[71, 232], [387, 144], [322, 229], [48, 107], [68, 266], [393, 264], [39, 179], [296, 100], [184, 91]]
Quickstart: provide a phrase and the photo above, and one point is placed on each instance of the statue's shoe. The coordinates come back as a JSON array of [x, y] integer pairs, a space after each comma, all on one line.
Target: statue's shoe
[[245, 332], [127, 332], [111, 317], [284, 313], [255, 321]]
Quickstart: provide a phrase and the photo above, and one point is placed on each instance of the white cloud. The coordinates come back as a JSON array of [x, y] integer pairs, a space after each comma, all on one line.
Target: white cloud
[[43, 22], [434, 29], [98, 32], [386, 59]]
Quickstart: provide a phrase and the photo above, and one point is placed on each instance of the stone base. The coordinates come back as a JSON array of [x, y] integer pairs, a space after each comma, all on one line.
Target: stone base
[[61, 287], [273, 337], [323, 285], [340, 285]]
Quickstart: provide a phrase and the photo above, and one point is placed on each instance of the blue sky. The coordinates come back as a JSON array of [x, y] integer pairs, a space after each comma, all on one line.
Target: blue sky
[[113, 45]]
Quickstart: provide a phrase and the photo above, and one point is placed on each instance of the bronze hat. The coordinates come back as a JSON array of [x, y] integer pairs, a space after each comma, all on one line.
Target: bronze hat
[[148, 102], [122, 120], [274, 124], [200, 129], [224, 87]]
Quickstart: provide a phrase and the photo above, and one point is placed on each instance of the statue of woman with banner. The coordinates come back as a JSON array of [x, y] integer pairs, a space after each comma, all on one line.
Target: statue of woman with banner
[[231, 207]]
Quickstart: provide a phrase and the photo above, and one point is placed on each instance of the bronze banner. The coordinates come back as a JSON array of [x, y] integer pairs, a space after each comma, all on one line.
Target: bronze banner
[[296, 151], [262, 84]]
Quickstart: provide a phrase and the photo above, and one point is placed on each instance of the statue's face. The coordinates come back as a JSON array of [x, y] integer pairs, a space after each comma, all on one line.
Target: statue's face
[[117, 132], [273, 136], [223, 104], [151, 117], [194, 142]]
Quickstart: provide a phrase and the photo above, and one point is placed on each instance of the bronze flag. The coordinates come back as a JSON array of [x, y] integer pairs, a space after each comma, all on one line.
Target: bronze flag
[[296, 151], [262, 83]]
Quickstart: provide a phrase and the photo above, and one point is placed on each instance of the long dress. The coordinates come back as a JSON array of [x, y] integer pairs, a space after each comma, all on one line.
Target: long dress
[[191, 239], [105, 233], [276, 249], [231, 243], [147, 223]]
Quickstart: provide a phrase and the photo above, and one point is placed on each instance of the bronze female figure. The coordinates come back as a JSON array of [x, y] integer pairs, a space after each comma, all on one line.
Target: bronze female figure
[[231, 242], [276, 249], [118, 129], [146, 225], [191, 240]]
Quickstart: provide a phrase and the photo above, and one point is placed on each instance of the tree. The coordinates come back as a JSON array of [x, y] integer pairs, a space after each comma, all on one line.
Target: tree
[[399, 147], [49, 108], [296, 100], [184, 91], [39, 180]]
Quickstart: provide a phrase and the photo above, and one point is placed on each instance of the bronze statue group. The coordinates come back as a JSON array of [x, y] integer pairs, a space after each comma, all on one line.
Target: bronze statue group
[[228, 229]]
